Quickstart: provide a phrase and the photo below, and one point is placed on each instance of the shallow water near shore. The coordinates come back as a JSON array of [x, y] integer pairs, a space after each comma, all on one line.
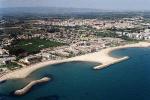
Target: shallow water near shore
[[127, 80]]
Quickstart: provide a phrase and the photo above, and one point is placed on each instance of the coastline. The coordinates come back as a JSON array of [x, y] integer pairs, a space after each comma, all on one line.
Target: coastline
[[101, 57]]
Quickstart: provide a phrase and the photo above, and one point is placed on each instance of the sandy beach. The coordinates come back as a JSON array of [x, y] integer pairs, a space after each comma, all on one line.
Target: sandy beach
[[101, 57]]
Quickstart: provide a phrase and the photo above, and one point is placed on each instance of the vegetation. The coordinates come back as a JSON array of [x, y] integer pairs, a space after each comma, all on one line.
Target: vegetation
[[114, 35], [106, 34], [11, 66], [130, 30], [129, 39], [31, 46]]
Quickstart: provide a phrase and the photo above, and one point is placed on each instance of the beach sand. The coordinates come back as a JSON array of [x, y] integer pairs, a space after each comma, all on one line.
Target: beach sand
[[101, 57]]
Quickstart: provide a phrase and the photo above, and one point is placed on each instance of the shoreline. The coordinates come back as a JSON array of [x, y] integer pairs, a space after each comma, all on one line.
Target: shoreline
[[103, 57]]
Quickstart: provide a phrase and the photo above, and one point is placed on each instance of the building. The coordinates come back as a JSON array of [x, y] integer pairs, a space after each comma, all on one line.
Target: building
[[6, 60], [32, 59]]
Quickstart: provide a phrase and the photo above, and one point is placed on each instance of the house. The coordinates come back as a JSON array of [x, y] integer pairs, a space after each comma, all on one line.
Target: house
[[62, 53], [3, 51], [48, 56], [6, 60], [32, 59]]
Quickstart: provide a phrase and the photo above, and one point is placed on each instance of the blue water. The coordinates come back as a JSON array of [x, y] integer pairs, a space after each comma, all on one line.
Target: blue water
[[128, 80]]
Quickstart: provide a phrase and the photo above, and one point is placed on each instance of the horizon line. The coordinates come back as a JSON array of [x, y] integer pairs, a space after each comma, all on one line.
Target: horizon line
[[113, 10]]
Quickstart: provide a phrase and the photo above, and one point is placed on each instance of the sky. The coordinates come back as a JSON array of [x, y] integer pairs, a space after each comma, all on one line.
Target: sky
[[98, 4]]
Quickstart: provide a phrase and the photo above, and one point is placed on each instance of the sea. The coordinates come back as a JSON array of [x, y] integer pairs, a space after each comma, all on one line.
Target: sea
[[77, 80]]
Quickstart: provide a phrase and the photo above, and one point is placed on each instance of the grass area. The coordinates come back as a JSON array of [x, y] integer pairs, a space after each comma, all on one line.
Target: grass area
[[129, 40], [11, 66], [106, 34], [32, 46], [114, 35]]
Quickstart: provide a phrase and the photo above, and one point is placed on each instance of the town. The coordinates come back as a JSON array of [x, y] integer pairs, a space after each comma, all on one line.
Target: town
[[27, 42]]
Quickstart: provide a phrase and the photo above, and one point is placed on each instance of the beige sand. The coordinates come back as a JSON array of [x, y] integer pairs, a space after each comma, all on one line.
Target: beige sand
[[101, 57]]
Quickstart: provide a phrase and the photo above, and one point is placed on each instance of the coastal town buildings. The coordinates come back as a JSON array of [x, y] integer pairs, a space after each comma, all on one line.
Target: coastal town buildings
[[79, 36]]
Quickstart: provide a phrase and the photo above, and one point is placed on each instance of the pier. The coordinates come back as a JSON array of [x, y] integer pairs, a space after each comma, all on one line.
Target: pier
[[27, 88], [104, 65]]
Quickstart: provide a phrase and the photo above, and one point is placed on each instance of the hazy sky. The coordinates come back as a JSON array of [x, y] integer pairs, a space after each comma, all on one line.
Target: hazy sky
[[100, 4]]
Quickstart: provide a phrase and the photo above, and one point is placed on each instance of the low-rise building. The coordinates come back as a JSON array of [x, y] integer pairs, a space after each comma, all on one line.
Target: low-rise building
[[32, 59], [6, 60]]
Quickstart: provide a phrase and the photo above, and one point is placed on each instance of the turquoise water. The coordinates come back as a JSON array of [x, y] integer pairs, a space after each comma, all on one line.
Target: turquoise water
[[128, 80]]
